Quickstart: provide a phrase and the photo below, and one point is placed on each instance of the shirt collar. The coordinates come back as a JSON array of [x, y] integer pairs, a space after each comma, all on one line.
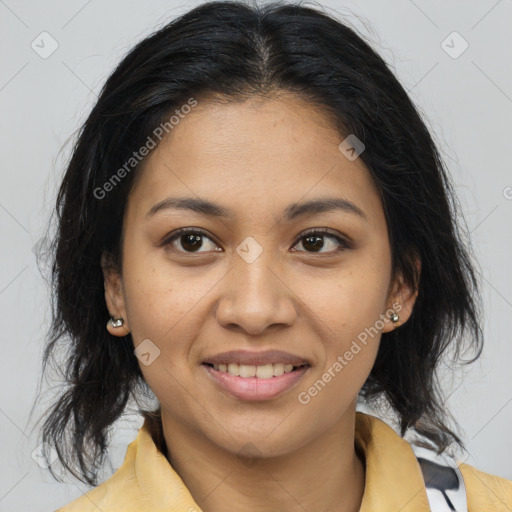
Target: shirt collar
[[393, 478]]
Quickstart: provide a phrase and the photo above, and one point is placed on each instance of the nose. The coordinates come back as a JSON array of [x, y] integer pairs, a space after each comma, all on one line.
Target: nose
[[255, 297]]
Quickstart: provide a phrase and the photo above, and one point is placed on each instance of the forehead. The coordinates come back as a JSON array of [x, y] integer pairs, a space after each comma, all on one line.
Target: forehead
[[254, 156]]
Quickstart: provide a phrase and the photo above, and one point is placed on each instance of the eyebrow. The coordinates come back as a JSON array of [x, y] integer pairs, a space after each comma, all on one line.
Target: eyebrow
[[291, 212]]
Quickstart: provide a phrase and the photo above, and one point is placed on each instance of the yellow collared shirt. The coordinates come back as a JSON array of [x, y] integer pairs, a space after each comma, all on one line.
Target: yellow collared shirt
[[146, 482]]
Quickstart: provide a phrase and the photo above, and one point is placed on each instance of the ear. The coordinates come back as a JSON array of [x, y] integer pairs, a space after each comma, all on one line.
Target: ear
[[114, 296], [401, 300]]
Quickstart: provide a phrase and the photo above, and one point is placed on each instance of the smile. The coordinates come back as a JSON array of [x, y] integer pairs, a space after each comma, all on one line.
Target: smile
[[248, 382], [266, 371]]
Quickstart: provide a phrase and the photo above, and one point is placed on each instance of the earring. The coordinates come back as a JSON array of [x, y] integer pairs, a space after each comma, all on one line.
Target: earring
[[116, 322], [394, 318]]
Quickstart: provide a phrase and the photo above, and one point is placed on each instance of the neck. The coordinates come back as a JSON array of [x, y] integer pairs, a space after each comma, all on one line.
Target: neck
[[325, 474]]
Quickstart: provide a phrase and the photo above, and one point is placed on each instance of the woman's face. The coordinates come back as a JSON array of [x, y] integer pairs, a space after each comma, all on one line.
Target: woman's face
[[252, 280]]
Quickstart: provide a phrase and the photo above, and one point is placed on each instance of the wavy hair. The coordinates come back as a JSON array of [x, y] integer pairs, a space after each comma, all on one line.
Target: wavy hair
[[235, 51]]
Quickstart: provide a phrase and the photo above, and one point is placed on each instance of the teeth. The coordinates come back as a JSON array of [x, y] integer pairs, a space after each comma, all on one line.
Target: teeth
[[246, 371], [262, 372], [278, 369], [266, 371]]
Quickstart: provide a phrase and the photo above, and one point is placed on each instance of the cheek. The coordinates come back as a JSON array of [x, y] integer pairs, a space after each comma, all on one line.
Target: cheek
[[160, 310], [348, 315], [160, 296], [348, 308], [347, 302], [165, 305]]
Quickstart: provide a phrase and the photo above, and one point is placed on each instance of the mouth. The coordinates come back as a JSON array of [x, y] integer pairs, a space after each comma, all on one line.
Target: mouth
[[266, 371], [255, 383]]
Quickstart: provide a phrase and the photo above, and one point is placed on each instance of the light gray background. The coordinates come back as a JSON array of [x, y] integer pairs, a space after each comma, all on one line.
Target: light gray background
[[468, 104]]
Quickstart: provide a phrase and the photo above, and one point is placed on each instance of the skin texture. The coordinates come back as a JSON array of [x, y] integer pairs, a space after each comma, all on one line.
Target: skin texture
[[257, 158]]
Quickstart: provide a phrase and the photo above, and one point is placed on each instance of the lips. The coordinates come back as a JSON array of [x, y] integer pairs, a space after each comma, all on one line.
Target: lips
[[256, 375], [254, 388], [252, 358]]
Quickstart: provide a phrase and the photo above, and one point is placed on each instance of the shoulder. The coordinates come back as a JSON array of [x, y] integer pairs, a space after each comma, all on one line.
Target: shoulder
[[106, 496], [485, 491], [121, 489], [144, 482]]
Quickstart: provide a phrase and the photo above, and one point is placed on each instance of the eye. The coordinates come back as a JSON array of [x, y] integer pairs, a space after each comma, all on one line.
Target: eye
[[314, 240], [190, 239]]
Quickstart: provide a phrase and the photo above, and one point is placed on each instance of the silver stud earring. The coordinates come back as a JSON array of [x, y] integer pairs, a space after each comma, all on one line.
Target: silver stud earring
[[116, 322], [394, 318]]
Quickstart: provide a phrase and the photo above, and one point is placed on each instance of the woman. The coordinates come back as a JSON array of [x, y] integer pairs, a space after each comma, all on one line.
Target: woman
[[257, 206]]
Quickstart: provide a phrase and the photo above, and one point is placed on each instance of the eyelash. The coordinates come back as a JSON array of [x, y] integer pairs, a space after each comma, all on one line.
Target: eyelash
[[344, 244]]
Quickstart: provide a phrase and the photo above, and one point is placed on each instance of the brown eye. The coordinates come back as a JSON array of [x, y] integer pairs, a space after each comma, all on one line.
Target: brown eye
[[189, 240], [314, 241]]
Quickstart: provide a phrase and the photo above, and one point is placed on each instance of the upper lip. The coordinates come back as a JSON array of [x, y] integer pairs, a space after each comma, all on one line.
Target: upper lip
[[252, 358]]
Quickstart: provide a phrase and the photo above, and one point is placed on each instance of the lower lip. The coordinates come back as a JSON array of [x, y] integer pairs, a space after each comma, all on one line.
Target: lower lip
[[252, 388]]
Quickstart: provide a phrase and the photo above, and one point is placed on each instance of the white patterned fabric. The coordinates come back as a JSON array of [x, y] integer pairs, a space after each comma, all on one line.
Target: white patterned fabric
[[445, 487]]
